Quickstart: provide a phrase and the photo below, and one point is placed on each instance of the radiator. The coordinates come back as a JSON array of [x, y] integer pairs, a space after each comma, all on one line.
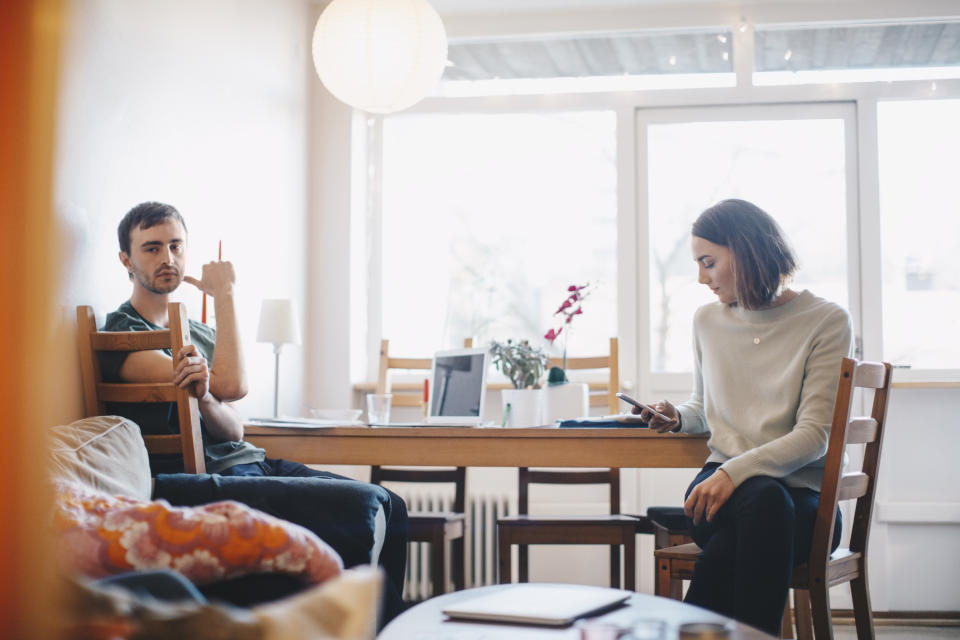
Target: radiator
[[480, 540]]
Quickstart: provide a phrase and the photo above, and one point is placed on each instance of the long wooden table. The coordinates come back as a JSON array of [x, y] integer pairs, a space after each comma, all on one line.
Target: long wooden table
[[481, 447]]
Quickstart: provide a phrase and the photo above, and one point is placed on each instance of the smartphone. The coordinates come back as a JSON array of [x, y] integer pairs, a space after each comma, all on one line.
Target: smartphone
[[637, 403]]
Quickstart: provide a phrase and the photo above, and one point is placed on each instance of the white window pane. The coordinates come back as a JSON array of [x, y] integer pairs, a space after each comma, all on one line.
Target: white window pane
[[793, 169], [920, 226], [487, 218]]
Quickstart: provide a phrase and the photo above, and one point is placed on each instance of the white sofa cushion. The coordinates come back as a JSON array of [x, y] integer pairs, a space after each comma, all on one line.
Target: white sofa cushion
[[105, 453]]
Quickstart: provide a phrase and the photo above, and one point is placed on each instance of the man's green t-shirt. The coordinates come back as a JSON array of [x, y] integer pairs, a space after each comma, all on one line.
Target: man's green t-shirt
[[160, 418]]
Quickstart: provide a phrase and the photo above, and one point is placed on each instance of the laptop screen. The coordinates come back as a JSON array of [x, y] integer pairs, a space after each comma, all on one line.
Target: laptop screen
[[459, 382]]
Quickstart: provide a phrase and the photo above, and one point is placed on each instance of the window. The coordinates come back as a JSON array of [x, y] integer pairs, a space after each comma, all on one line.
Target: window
[[619, 61], [790, 161], [920, 228], [856, 53], [487, 218]]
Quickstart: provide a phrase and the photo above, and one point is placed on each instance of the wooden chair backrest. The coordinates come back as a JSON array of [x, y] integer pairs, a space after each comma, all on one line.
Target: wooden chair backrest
[[527, 477], [96, 392], [602, 394], [458, 475], [403, 398], [859, 485]]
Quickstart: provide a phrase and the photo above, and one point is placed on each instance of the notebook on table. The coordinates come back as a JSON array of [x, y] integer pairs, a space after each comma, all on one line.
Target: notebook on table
[[458, 386], [552, 605]]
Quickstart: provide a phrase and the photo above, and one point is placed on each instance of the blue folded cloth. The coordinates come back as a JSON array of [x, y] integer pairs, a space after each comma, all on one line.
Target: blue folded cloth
[[604, 422]]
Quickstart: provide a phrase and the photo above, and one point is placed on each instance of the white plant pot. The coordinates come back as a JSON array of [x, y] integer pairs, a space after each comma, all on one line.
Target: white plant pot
[[566, 401], [526, 407]]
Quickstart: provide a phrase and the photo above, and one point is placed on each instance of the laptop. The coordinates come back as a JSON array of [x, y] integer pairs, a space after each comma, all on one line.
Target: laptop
[[552, 605], [458, 387]]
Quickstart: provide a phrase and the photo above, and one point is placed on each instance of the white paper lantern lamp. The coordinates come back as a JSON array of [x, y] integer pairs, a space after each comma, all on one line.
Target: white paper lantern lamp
[[380, 56]]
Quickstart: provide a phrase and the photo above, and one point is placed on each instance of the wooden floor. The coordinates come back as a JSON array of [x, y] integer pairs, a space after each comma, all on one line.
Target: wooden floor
[[898, 632]]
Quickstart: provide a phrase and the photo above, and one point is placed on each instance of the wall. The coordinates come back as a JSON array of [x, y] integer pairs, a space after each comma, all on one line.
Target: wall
[[202, 105]]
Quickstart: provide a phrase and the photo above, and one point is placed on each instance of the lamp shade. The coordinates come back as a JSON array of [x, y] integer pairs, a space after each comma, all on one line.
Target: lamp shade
[[380, 56], [278, 323]]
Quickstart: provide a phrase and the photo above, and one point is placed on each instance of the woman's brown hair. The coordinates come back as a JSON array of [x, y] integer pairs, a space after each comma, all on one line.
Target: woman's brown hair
[[762, 258]]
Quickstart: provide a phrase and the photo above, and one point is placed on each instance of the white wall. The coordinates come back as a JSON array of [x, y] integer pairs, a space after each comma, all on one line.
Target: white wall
[[201, 105]]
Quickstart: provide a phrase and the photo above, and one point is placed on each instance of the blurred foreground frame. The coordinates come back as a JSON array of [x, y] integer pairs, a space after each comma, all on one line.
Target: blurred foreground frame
[[31, 32]]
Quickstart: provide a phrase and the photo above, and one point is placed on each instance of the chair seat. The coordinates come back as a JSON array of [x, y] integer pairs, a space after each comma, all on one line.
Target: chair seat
[[435, 516], [435, 526], [688, 551], [527, 520], [841, 566], [610, 529], [599, 529], [672, 518]]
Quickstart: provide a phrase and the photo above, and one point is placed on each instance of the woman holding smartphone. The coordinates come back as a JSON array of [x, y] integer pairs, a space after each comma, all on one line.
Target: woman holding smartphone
[[766, 367]]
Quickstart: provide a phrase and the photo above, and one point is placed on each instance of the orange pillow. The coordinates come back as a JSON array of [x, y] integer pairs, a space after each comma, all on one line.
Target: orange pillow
[[99, 535]]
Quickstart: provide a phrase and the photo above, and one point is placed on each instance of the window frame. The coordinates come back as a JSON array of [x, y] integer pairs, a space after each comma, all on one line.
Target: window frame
[[863, 242]]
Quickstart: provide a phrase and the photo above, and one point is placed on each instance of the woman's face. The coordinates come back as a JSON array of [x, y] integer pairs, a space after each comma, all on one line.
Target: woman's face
[[715, 265]]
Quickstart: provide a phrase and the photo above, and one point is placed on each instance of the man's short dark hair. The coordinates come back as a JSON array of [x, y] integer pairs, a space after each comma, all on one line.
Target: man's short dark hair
[[144, 216], [762, 258]]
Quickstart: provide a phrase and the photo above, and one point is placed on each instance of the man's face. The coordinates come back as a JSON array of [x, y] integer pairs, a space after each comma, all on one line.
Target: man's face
[[157, 256]]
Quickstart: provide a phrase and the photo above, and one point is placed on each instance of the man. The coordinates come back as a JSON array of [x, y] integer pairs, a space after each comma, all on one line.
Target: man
[[153, 249]]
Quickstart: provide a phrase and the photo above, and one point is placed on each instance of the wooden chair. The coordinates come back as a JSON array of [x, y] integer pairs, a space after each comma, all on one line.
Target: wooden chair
[[436, 528], [96, 392], [812, 580], [613, 529]]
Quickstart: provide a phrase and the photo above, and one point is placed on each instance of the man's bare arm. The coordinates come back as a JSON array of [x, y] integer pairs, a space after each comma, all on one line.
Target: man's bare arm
[[228, 379], [221, 420]]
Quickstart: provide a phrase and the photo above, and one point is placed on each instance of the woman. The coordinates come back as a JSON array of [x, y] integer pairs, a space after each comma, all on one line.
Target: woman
[[767, 363]]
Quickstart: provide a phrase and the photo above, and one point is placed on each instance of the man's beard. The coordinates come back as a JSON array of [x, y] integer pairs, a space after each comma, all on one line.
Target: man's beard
[[156, 287]]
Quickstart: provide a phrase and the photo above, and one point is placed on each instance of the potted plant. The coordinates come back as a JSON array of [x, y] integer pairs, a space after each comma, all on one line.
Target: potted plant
[[524, 365], [563, 399]]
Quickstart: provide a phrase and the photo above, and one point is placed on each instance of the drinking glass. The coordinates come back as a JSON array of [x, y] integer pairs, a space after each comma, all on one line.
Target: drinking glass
[[378, 408]]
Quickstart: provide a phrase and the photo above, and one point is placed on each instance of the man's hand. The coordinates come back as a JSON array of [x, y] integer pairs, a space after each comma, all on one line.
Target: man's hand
[[191, 372], [217, 278], [656, 423], [708, 496]]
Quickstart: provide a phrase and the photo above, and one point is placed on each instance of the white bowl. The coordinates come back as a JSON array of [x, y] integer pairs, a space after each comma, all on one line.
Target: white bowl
[[347, 415]]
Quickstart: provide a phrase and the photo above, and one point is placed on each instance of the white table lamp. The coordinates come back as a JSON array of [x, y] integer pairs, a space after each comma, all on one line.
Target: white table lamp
[[278, 326]]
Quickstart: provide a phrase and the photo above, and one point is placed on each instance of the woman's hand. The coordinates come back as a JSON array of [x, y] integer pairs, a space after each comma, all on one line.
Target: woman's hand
[[708, 496], [657, 423]]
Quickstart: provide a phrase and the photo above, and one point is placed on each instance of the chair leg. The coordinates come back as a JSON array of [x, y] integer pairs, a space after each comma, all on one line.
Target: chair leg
[[438, 568], [523, 570], [786, 624], [503, 558], [662, 584], [630, 563], [861, 607], [615, 566], [802, 614], [676, 589], [820, 608], [458, 567]]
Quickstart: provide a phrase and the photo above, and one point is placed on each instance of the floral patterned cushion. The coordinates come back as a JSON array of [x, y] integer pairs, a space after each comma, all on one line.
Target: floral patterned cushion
[[98, 534]]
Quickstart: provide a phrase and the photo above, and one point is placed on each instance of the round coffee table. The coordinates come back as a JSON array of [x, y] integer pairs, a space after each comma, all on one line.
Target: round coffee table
[[426, 622]]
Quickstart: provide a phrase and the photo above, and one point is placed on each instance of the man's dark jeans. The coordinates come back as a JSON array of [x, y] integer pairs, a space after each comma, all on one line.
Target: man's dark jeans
[[751, 547], [339, 510]]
